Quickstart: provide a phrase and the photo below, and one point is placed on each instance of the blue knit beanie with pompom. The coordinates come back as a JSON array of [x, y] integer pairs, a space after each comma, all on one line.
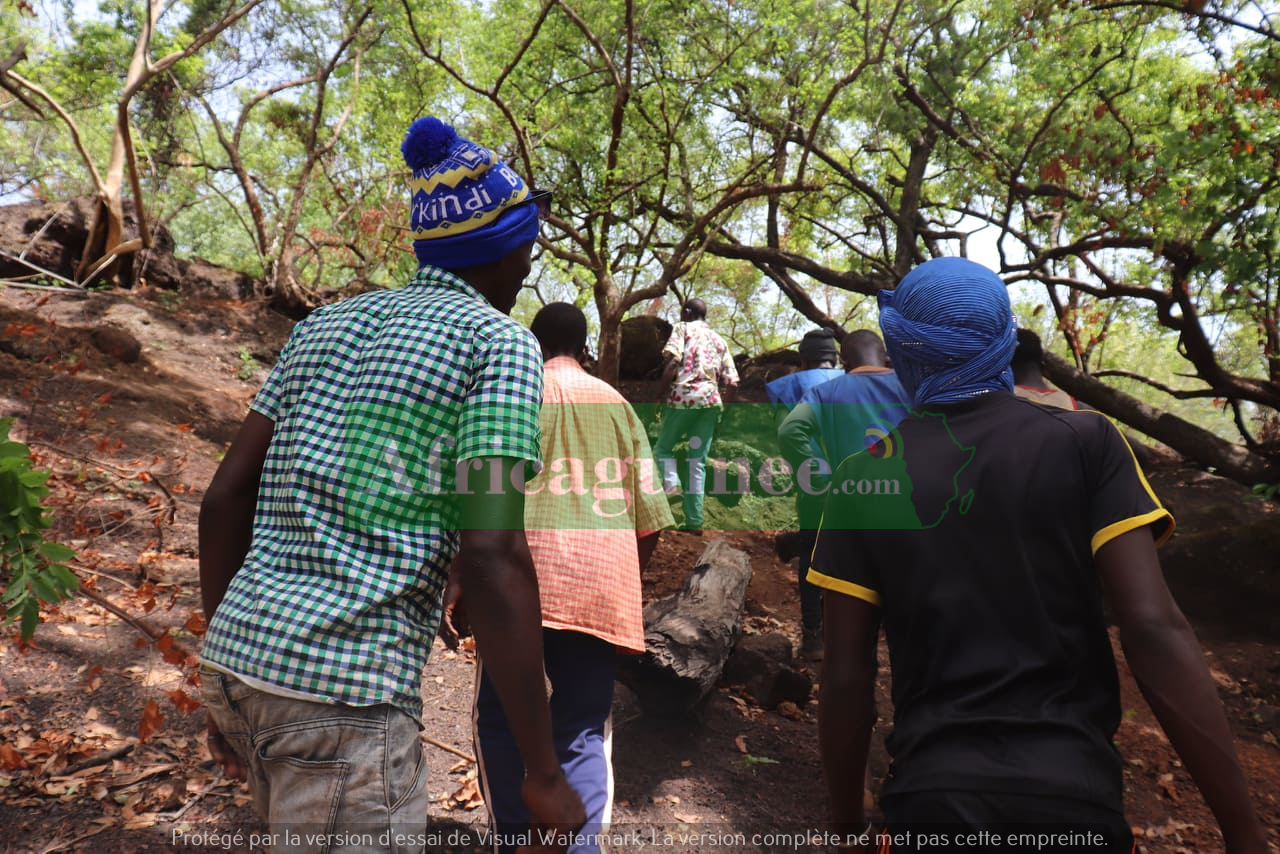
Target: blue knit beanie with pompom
[[465, 204]]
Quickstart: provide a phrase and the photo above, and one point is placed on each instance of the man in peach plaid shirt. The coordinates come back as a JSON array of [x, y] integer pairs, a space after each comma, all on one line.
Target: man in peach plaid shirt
[[592, 518]]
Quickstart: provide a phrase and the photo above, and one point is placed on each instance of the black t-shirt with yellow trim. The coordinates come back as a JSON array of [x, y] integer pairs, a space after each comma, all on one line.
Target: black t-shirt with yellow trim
[[973, 527]]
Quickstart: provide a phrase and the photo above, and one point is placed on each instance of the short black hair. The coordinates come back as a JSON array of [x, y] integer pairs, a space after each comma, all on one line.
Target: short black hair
[[863, 347], [1029, 350], [695, 308], [561, 329]]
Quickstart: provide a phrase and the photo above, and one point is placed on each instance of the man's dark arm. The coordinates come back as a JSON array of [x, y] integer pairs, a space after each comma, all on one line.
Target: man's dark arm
[[226, 513], [226, 529], [1168, 664], [500, 588], [846, 704]]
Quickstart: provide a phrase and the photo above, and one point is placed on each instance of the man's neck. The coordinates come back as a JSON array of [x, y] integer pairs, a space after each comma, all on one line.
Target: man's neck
[[1033, 379], [562, 357]]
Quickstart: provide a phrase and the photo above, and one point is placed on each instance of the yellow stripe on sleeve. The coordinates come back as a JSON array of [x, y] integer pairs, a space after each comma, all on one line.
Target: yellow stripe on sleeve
[[1115, 529], [1124, 526], [846, 587]]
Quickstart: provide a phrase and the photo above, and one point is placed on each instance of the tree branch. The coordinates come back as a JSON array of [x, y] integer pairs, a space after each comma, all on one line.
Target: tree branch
[[1184, 8], [1236, 462], [1180, 394]]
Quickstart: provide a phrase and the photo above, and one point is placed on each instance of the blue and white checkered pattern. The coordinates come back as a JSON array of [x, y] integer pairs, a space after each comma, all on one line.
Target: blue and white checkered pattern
[[374, 400]]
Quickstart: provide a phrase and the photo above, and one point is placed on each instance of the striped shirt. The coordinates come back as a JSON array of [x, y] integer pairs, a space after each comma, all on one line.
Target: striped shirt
[[585, 510], [374, 400]]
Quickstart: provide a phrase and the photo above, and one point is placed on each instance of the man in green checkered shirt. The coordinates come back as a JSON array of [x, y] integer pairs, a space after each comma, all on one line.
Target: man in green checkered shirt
[[394, 433]]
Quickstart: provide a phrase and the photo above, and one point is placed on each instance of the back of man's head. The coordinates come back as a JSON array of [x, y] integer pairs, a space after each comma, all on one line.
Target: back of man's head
[[694, 309], [1029, 351], [862, 348], [561, 329], [949, 330], [467, 208], [818, 349]]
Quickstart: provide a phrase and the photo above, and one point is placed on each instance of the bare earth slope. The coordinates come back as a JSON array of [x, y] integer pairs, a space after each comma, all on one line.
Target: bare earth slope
[[101, 744]]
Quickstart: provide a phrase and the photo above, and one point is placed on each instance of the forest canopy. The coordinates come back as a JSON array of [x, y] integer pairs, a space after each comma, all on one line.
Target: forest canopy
[[1115, 161]]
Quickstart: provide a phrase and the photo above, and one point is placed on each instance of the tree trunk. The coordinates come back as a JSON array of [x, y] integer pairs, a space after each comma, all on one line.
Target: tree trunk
[[106, 228], [287, 294], [610, 348], [1195, 443], [689, 635]]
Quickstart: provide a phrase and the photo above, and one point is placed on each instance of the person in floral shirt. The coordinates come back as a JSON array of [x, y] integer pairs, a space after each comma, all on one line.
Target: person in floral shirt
[[698, 366]]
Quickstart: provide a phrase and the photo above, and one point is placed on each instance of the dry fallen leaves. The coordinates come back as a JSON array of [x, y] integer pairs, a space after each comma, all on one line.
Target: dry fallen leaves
[[1170, 828], [741, 743], [185, 703], [467, 796], [11, 759], [168, 651], [151, 722], [196, 624], [790, 711], [94, 679]]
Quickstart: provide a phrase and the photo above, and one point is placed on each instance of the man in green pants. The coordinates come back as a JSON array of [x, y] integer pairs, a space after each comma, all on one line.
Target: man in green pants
[[698, 365]]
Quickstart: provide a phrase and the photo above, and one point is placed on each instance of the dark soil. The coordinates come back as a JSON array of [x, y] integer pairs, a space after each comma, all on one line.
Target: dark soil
[[100, 742]]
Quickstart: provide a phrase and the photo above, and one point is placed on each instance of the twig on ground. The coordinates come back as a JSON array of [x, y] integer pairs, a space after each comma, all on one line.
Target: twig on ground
[[66, 844], [159, 520], [449, 748], [100, 759], [141, 625], [177, 816], [107, 576]]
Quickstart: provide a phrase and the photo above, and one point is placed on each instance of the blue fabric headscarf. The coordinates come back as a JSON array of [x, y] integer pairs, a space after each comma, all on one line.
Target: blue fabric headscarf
[[950, 331]]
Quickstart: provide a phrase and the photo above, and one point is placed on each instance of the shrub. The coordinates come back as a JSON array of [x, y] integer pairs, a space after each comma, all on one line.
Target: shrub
[[31, 569]]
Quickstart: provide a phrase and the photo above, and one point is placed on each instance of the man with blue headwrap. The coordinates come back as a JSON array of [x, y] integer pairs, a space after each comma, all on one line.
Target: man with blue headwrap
[[327, 533], [984, 533]]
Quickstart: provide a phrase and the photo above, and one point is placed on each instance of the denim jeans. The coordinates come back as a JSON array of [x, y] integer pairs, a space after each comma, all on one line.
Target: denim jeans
[[699, 427], [326, 778]]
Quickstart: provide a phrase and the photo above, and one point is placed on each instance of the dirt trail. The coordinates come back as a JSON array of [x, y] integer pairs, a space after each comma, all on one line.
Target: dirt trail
[[100, 740]]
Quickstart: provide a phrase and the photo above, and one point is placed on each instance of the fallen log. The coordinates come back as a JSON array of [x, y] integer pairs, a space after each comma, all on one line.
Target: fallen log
[[689, 635]]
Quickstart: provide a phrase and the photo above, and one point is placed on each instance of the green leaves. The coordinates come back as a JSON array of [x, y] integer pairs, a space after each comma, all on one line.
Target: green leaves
[[1267, 491], [32, 570]]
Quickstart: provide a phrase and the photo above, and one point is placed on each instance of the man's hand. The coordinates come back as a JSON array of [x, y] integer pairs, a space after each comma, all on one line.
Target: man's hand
[[453, 621], [555, 810], [225, 755]]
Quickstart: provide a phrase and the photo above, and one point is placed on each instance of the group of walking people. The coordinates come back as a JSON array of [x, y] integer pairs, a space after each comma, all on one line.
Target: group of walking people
[[408, 469]]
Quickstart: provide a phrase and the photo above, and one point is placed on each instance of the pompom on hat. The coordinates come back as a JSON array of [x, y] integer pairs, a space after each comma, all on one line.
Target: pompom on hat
[[950, 331], [465, 204]]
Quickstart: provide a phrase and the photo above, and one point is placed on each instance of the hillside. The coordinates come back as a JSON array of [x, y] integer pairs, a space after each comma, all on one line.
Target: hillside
[[100, 738]]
